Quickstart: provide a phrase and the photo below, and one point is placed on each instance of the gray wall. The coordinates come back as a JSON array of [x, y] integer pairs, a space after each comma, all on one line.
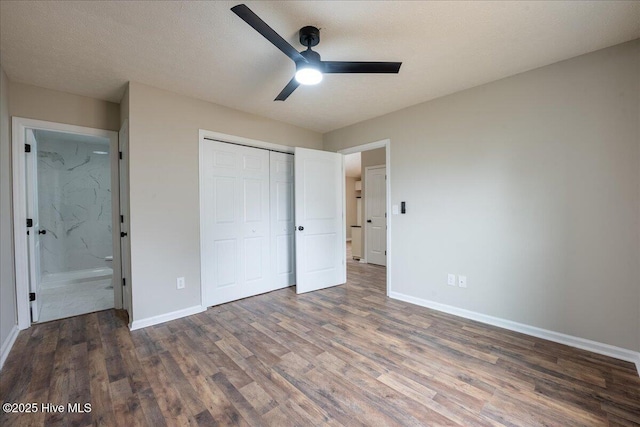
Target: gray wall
[[529, 186], [163, 151], [8, 317], [34, 102]]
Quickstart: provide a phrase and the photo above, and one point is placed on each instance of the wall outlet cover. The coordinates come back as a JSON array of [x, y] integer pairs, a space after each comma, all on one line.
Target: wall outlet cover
[[462, 281]]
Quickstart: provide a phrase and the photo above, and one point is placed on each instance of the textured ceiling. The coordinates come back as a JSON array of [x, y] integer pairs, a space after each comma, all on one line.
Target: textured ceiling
[[203, 50]]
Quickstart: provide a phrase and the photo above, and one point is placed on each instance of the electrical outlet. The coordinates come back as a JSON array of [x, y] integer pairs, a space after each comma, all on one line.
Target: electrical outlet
[[451, 279], [462, 281], [180, 283]]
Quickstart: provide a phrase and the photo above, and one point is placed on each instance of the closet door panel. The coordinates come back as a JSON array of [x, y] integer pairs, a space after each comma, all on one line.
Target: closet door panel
[[282, 220], [235, 222], [255, 220]]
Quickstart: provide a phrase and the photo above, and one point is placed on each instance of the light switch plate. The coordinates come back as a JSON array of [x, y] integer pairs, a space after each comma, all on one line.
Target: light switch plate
[[395, 210], [180, 283], [451, 279]]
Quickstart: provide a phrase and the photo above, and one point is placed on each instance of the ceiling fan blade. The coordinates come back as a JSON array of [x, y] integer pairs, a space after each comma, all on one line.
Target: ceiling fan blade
[[288, 90], [360, 67], [267, 32]]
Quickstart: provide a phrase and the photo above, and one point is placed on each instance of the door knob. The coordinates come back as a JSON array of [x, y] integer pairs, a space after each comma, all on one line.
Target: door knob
[[300, 228], [123, 234], [368, 220], [42, 231]]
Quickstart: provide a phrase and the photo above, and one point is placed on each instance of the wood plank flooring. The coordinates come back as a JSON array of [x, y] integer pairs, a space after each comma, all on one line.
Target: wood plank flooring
[[342, 356]]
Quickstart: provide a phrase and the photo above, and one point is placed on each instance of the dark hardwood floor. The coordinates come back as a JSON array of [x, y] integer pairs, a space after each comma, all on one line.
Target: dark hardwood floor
[[347, 355]]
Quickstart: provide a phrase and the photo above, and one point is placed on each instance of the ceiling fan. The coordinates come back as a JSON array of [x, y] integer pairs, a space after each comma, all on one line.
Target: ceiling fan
[[309, 66]]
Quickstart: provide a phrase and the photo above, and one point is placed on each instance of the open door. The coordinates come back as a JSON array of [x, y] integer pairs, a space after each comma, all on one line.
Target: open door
[[33, 224], [125, 245], [320, 226]]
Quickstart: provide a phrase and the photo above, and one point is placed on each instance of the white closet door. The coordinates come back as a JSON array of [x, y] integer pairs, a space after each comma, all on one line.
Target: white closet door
[[319, 207], [282, 220], [235, 224]]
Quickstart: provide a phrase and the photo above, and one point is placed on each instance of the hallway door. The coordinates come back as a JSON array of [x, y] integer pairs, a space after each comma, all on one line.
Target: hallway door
[[376, 215]]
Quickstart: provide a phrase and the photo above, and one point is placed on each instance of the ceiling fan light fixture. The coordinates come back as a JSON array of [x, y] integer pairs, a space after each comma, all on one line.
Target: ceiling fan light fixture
[[309, 65], [308, 75]]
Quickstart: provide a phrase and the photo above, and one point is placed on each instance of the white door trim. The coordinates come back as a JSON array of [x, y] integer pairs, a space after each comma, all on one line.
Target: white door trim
[[19, 125], [123, 189], [386, 144]]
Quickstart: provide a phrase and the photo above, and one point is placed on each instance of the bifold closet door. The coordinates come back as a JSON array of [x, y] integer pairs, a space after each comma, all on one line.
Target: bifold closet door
[[282, 221], [235, 222]]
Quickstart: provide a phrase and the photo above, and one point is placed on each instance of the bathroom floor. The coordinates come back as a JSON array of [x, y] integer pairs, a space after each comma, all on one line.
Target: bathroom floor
[[75, 299]]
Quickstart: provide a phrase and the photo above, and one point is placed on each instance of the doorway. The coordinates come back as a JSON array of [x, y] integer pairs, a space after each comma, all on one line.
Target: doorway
[[66, 220], [367, 204]]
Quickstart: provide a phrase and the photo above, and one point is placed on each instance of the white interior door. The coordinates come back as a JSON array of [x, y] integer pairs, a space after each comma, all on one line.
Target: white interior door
[[376, 212], [235, 222], [34, 232], [282, 220], [319, 208], [125, 242]]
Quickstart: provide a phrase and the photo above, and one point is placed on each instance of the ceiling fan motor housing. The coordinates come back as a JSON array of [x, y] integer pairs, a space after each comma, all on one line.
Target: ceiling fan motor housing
[[309, 36], [311, 56]]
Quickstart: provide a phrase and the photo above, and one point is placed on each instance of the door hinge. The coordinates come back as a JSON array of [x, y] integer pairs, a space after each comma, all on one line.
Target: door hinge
[[29, 222], [124, 282], [32, 296], [121, 218], [385, 252], [120, 154], [27, 148]]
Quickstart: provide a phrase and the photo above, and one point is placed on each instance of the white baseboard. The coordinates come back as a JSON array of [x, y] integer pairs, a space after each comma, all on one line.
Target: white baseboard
[[155, 320], [8, 344], [581, 343]]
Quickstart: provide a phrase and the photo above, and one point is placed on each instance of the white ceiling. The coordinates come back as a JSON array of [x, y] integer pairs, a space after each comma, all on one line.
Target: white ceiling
[[203, 50]]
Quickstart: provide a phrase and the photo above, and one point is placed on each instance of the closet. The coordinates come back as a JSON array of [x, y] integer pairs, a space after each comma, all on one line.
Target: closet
[[250, 241], [247, 235]]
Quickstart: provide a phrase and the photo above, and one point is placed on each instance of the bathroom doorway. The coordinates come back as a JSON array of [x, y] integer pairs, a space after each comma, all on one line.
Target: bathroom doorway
[[70, 190]]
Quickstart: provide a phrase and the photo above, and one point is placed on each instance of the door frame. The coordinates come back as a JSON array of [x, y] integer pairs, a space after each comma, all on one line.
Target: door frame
[[19, 126], [366, 214], [125, 248], [386, 144]]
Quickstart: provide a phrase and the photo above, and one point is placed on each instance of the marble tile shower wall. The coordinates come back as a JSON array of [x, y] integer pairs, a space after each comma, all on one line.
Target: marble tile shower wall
[[74, 204]]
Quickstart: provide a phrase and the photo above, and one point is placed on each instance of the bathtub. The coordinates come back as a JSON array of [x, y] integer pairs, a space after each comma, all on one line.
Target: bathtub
[[56, 280]]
